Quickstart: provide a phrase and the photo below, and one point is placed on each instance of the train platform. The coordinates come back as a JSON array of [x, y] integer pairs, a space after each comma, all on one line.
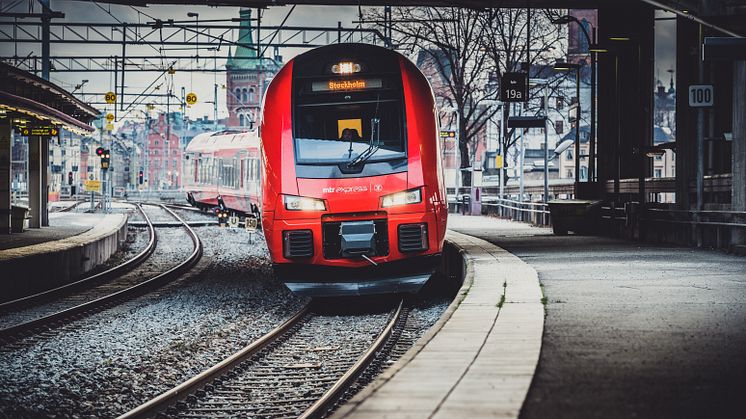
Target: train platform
[[479, 359], [631, 330], [73, 244]]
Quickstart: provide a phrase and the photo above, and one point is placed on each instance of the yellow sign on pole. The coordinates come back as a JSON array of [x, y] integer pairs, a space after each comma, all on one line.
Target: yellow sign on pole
[[498, 161], [110, 98], [109, 127], [109, 117], [191, 98], [92, 186]]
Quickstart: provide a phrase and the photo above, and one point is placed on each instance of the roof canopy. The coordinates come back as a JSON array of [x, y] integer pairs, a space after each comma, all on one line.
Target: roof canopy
[[31, 96]]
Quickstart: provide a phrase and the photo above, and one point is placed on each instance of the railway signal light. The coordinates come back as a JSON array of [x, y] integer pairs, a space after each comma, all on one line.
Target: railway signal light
[[140, 177], [69, 178], [100, 151], [105, 158]]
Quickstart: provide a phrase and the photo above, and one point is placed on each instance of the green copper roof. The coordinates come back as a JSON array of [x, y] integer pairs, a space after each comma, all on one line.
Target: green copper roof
[[245, 58]]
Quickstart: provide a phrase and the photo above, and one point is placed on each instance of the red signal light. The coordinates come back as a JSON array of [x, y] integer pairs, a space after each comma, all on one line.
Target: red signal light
[[100, 151]]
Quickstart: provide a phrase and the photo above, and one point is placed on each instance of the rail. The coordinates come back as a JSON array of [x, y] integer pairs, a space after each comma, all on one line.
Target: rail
[[69, 314], [181, 391], [118, 270], [226, 369], [322, 406]]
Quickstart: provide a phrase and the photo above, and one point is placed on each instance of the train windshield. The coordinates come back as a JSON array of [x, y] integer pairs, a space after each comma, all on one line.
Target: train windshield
[[333, 132]]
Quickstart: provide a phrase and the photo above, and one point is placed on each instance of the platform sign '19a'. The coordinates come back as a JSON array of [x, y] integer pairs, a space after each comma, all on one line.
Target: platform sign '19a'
[[514, 87]]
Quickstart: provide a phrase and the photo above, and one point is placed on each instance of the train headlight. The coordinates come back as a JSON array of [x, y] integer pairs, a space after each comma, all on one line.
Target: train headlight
[[346, 67], [303, 203], [412, 196]]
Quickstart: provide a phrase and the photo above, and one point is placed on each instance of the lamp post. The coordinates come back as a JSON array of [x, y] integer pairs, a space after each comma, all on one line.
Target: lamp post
[[576, 68], [592, 49], [195, 15], [632, 46]]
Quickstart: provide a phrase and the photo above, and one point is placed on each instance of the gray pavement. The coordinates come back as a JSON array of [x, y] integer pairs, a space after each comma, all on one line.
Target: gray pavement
[[632, 330], [61, 226]]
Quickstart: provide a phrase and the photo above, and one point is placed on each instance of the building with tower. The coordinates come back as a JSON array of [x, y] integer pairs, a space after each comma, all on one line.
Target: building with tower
[[247, 77]]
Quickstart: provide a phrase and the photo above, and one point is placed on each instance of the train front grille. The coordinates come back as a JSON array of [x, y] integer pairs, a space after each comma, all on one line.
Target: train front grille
[[412, 237], [297, 243], [332, 241]]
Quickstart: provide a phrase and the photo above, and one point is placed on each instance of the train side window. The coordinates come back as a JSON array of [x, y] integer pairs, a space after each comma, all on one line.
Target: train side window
[[243, 173]]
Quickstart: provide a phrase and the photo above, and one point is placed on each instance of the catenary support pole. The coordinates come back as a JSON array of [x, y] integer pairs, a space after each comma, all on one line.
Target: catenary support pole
[[738, 190]]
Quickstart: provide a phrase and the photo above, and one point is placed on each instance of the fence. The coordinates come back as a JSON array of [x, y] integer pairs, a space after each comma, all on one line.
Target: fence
[[535, 213]]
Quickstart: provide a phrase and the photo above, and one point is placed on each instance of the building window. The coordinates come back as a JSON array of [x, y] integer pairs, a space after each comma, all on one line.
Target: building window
[[568, 174], [244, 96], [658, 173], [560, 103], [568, 155], [241, 120], [155, 152], [582, 40], [658, 157], [175, 164], [251, 95], [559, 126], [155, 143], [238, 95]]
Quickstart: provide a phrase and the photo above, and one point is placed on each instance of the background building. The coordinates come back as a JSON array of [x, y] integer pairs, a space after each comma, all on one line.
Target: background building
[[247, 78]]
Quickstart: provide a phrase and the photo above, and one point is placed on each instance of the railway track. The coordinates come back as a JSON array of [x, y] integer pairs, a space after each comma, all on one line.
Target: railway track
[[71, 207], [285, 373], [53, 308]]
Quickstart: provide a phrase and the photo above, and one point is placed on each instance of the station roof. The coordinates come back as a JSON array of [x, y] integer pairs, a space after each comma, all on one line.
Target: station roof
[[28, 95], [580, 4]]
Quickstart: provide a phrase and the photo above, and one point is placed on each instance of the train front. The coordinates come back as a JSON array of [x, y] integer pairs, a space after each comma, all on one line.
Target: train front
[[353, 194]]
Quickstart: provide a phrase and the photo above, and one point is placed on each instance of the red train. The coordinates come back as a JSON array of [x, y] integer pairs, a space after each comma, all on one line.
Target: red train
[[352, 194]]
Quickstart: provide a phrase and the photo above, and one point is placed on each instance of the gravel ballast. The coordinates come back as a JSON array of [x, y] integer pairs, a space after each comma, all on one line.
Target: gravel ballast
[[112, 361]]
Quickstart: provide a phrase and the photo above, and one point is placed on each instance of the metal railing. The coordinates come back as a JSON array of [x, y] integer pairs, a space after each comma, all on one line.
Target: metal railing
[[535, 213]]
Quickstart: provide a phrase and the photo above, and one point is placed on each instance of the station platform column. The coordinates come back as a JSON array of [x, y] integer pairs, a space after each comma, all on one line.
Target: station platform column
[[738, 191], [38, 188]]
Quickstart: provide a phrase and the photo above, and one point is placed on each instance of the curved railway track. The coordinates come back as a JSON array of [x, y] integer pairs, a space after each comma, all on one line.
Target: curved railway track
[[102, 290], [263, 378]]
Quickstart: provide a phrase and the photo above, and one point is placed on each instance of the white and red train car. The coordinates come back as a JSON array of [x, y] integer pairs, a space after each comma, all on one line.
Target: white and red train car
[[223, 168], [352, 197]]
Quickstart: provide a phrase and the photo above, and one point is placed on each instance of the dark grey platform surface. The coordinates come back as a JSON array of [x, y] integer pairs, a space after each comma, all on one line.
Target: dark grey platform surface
[[632, 329]]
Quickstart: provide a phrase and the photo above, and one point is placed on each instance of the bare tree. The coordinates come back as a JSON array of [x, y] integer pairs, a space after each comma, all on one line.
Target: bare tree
[[523, 40], [450, 40]]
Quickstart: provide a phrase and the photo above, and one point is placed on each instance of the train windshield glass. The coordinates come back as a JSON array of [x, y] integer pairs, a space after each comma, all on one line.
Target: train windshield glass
[[332, 132]]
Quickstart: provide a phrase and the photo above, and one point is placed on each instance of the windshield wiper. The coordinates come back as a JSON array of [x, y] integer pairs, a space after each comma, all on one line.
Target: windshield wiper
[[373, 146]]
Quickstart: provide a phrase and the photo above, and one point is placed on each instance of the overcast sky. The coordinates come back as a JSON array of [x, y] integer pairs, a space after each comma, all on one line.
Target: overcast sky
[[202, 83]]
